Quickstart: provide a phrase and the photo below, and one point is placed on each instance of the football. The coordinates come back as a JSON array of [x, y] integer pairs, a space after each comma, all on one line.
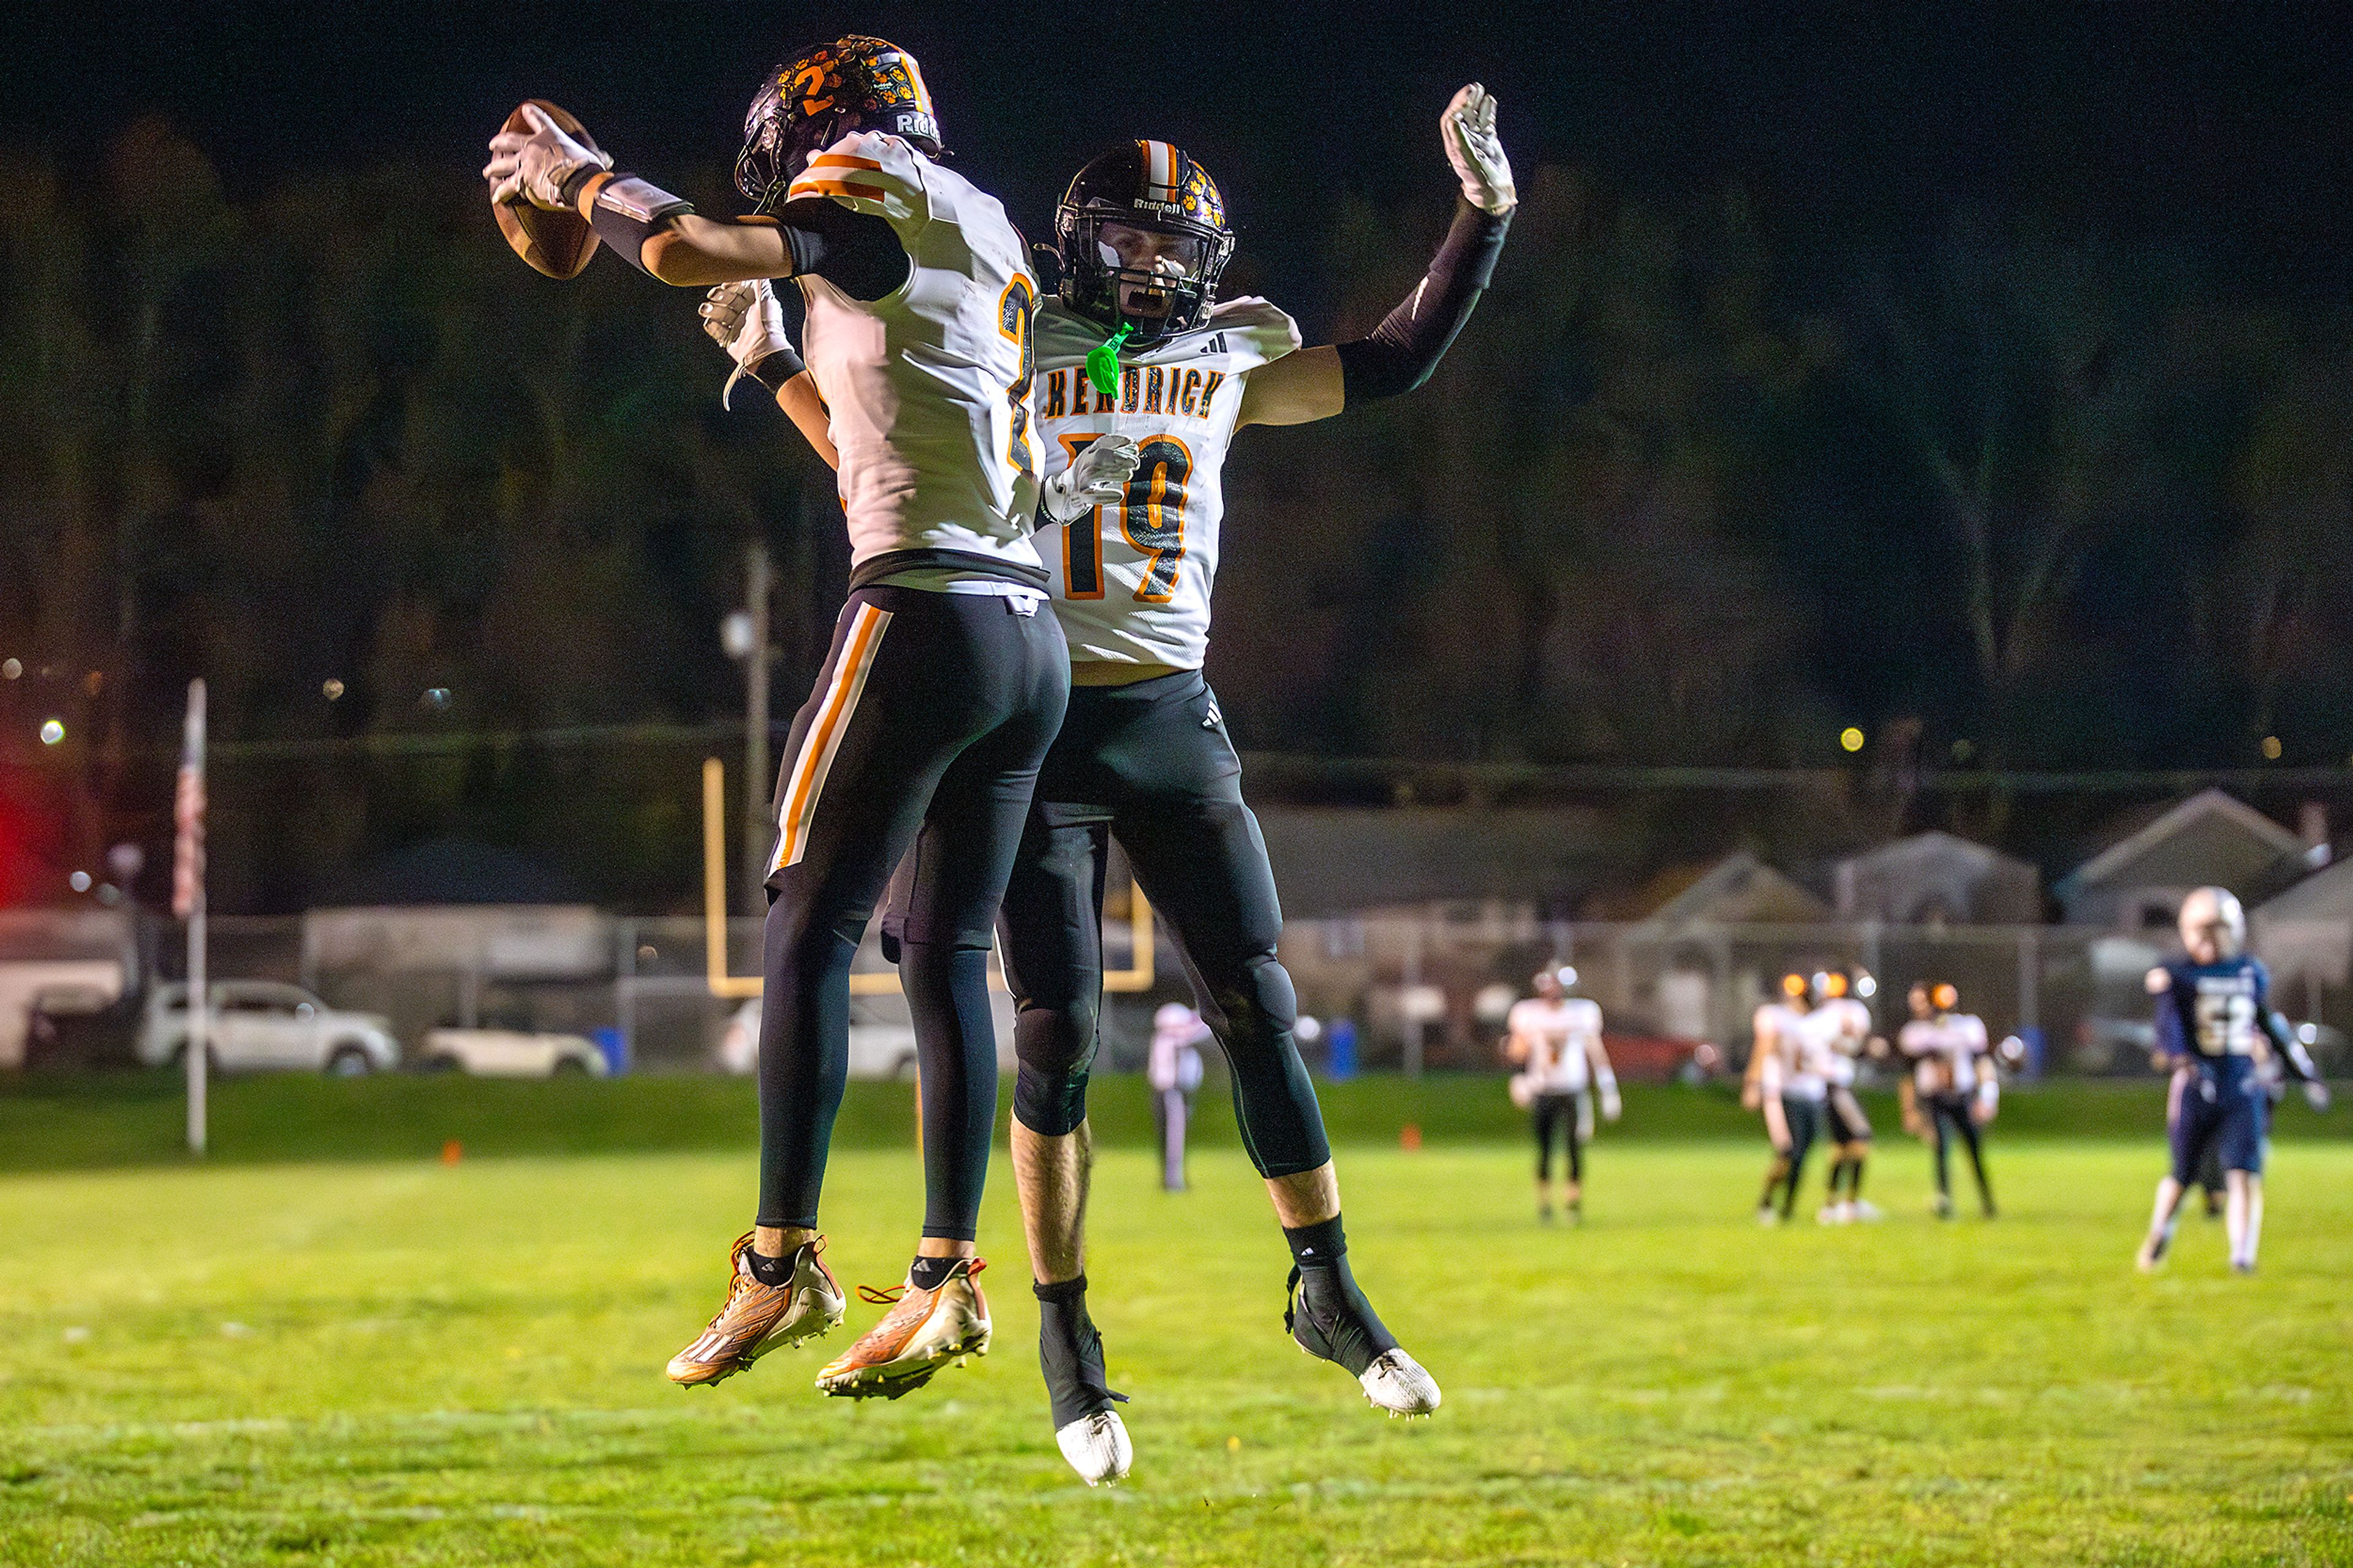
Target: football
[[558, 244]]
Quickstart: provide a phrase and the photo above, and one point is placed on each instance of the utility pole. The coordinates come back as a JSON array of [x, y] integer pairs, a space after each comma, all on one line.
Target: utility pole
[[758, 774]]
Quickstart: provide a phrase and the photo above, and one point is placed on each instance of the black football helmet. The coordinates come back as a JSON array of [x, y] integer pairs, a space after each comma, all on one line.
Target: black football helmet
[[1151, 187], [805, 105]]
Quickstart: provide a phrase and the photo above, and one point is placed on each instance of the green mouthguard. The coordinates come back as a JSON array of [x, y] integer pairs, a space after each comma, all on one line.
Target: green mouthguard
[[1103, 362]]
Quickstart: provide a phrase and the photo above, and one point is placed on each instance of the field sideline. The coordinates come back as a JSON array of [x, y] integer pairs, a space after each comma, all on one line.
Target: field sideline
[[397, 1361]]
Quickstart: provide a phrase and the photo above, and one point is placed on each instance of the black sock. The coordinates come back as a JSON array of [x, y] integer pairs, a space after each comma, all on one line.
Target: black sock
[[1854, 1179], [931, 1273], [1070, 1352], [1316, 1244], [774, 1272], [1331, 1318]]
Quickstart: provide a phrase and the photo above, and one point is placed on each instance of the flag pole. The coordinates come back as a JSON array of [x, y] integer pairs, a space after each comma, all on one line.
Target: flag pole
[[188, 902]]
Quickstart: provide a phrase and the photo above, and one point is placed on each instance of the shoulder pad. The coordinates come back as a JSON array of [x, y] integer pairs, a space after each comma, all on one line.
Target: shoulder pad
[[1256, 332], [870, 173]]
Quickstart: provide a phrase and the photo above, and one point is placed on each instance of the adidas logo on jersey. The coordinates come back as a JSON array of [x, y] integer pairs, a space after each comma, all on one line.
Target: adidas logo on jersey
[[1214, 720]]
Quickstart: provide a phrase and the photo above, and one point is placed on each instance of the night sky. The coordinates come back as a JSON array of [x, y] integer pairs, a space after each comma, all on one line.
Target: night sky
[[1851, 124]]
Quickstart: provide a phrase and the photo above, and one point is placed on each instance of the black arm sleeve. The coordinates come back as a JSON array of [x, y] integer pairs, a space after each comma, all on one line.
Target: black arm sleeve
[[1404, 348], [857, 253]]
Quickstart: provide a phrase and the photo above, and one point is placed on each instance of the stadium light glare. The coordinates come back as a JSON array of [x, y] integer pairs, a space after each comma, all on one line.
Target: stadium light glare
[[79, 881], [2271, 748], [1851, 738], [52, 731], [331, 688], [10, 669]]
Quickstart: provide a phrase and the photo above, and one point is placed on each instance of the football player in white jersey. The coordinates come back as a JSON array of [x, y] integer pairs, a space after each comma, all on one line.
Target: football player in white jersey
[[944, 683], [1838, 1033], [1555, 1041], [1133, 465], [1953, 1081], [1772, 1060]]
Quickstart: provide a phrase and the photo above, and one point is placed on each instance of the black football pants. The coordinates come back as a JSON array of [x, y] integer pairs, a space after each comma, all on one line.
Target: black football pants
[[1150, 764], [926, 728]]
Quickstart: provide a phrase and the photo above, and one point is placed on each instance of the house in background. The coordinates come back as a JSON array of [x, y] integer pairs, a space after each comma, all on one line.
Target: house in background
[[2305, 936], [2211, 839], [1740, 888], [1936, 878]]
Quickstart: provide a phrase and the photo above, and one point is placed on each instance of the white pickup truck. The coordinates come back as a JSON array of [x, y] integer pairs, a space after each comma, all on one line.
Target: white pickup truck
[[261, 1024]]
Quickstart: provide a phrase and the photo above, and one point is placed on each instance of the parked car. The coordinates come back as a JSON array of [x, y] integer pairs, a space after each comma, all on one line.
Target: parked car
[[510, 1053], [79, 1028], [879, 1048], [260, 1023]]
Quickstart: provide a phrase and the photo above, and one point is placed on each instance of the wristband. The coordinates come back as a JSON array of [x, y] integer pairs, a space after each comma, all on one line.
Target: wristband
[[625, 211]]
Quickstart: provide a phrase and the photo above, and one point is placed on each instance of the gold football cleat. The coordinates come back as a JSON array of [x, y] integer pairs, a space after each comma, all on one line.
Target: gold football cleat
[[922, 1331], [756, 1318]]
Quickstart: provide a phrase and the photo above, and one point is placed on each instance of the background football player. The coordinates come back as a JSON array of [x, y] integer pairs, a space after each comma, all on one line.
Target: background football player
[[1772, 1055], [2214, 1015], [944, 683], [1555, 1040], [1950, 1071], [1135, 483], [1837, 1033]]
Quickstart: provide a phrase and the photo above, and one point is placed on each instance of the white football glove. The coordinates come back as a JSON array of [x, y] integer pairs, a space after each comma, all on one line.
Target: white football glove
[[746, 319], [2315, 1094], [533, 164], [1611, 1106], [1468, 129], [1097, 477]]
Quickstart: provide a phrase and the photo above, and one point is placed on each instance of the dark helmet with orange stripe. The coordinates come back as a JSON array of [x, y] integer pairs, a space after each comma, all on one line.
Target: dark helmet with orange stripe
[[807, 104], [1142, 239]]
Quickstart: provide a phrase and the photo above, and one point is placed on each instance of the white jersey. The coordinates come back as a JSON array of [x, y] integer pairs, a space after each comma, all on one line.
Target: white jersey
[[1559, 1034], [1944, 1051], [1834, 1035], [1177, 1033], [1132, 583], [928, 388]]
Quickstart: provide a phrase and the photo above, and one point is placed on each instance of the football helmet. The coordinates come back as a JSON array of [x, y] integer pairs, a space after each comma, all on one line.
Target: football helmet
[[1141, 239], [808, 103]]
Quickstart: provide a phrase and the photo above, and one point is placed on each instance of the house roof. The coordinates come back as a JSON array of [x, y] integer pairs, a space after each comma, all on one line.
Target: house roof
[[2210, 805], [1935, 845], [2325, 895], [1740, 886]]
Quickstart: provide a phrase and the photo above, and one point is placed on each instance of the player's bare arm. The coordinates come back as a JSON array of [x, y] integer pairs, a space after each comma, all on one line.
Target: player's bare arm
[[1400, 354], [663, 237]]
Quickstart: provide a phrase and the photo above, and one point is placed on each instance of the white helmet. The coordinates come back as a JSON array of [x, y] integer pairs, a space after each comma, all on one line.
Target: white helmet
[[2212, 914]]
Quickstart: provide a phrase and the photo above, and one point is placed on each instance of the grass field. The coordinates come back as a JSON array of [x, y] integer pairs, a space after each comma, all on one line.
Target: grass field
[[375, 1361]]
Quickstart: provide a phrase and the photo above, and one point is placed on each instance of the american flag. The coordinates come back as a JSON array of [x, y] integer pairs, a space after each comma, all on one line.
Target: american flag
[[188, 813]]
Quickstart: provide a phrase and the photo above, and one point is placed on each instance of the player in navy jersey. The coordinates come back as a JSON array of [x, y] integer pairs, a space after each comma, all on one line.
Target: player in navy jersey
[[2213, 1012]]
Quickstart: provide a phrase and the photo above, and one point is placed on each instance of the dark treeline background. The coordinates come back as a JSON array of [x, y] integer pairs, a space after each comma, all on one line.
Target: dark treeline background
[[1995, 400]]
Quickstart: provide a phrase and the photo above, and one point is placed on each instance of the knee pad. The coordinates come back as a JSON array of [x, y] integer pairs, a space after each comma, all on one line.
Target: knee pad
[[1255, 1002], [1054, 1048]]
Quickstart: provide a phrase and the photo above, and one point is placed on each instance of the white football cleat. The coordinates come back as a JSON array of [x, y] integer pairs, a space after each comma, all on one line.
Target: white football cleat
[[1399, 1384], [1863, 1210], [1097, 1447]]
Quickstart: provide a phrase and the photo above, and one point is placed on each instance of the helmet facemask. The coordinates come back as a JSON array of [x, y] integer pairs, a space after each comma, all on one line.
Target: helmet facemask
[[1158, 277]]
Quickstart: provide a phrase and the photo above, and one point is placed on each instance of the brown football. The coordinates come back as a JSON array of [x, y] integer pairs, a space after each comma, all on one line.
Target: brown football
[[558, 244]]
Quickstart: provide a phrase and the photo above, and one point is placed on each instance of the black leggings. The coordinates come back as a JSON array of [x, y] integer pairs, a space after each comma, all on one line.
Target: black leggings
[[925, 728], [1557, 1110], [1950, 1114], [1150, 764]]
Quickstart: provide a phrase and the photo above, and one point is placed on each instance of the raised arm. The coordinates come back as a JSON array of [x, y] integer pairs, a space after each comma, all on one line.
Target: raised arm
[[663, 235], [1400, 354]]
